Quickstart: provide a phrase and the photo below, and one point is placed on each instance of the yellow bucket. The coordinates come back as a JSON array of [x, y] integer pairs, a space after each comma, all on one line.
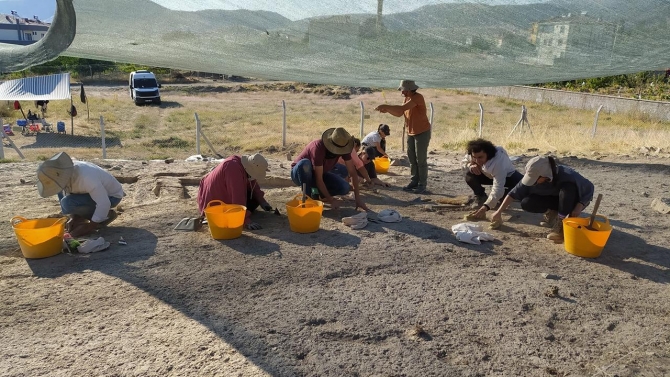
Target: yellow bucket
[[225, 220], [584, 242], [39, 238], [304, 218], [382, 165]]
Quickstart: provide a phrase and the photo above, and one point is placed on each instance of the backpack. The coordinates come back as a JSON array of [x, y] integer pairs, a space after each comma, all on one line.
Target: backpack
[[73, 111]]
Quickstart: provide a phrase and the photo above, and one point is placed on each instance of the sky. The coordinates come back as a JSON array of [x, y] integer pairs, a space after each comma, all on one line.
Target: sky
[[44, 9]]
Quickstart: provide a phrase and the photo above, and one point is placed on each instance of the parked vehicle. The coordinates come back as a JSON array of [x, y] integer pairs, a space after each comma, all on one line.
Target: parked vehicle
[[144, 87]]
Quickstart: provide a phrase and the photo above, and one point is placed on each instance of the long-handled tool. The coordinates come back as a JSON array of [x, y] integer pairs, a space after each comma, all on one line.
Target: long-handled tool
[[593, 214], [304, 194]]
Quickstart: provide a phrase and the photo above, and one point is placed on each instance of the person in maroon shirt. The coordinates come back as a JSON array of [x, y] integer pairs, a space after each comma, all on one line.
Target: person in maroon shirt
[[316, 167], [234, 181]]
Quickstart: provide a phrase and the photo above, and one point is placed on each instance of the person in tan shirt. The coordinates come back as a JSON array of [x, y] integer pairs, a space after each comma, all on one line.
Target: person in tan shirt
[[418, 131]]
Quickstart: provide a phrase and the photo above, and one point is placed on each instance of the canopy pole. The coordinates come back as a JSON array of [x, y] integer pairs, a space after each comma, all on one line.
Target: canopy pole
[[71, 117]]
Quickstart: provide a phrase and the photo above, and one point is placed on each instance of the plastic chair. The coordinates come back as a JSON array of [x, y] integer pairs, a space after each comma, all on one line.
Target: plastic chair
[[60, 127]]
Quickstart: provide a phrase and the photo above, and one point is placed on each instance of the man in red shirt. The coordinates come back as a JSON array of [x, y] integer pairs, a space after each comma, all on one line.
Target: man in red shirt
[[316, 167], [234, 181]]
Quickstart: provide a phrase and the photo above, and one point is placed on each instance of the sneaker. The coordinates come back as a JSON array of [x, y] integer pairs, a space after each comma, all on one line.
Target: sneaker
[[549, 218], [111, 216], [556, 234], [411, 186], [420, 189], [479, 201]]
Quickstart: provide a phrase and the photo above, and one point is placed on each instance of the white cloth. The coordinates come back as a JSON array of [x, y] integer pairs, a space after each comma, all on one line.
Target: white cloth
[[92, 246], [372, 138], [498, 168], [91, 179], [471, 233], [389, 216], [358, 221]]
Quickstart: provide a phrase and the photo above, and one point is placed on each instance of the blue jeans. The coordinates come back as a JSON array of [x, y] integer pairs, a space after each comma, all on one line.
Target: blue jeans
[[81, 204], [303, 172]]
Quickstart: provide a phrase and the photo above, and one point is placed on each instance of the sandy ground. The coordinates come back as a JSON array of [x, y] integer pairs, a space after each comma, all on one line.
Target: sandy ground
[[403, 299]]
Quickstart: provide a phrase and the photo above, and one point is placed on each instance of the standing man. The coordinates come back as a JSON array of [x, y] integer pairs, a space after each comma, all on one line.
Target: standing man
[[86, 192], [316, 167], [486, 164], [235, 181], [418, 132]]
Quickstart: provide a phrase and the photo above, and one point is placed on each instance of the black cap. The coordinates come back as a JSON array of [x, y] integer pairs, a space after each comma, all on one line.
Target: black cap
[[385, 129]]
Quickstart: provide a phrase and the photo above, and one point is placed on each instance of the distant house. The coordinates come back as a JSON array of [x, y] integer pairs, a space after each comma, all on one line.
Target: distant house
[[21, 31], [572, 39]]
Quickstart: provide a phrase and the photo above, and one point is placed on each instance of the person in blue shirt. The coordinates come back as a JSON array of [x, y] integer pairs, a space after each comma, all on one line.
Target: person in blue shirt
[[552, 189]]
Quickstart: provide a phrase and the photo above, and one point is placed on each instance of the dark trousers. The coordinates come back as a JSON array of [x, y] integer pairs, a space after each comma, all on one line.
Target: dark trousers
[[476, 182], [370, 168], [564, 203]]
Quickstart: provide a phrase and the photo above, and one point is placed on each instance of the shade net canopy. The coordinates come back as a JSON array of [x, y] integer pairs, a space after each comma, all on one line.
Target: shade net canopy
[[367, 43], [38, 88]]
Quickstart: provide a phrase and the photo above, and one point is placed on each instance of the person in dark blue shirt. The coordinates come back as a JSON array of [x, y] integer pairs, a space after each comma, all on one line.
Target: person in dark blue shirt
[[555, 190]]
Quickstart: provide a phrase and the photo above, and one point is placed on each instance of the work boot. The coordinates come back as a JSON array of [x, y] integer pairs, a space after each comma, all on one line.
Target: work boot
[[549, 218], [479, 201], [420, 189], [556, 234], [411, 186]]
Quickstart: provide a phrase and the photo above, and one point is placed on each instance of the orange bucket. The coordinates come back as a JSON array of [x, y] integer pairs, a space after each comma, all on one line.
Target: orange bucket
[[225, 220], [39, 238], [382, 165], [304, 218], [584, 242]]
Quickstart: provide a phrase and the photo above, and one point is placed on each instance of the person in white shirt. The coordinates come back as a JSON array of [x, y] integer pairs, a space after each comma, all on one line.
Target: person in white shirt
[[377, 139], [486, 164], [86, 192]]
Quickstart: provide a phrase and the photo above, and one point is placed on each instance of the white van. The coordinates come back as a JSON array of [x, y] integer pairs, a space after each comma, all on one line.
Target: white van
[[144, 87]]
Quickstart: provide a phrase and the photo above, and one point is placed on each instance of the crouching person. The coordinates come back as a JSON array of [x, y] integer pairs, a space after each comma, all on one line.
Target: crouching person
[[316, 167], [86, 192], [235, 181], [486, 164], [552, 189]]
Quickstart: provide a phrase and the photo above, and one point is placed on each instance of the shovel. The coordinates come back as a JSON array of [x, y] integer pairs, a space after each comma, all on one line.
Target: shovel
[[304, 194], [593, 214]]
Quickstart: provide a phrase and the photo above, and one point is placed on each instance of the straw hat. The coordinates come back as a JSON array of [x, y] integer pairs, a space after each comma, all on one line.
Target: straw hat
[[535, 168], [338, 141], [408, 85], [54, 175], [256, 165]]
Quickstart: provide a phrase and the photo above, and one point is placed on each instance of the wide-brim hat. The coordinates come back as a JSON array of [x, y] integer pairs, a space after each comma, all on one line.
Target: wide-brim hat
[[535, 168], [338, 141], [256, 166], [408, 85], [54, 174]]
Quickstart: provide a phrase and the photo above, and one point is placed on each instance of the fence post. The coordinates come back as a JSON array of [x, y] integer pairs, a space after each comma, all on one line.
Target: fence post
[[197, 134], [2, 145], [283, 130], [481, 119], [595, 122], [102, 135], [362, 119]]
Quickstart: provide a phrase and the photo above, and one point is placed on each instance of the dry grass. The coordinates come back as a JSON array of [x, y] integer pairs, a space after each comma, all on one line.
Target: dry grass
[[248, 121]]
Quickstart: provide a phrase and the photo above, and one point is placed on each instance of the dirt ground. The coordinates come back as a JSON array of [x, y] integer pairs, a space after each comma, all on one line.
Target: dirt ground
[[392, 299]]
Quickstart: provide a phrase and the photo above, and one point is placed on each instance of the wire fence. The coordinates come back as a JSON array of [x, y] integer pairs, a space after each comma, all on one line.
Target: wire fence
[[281, 118], [272, 128]]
